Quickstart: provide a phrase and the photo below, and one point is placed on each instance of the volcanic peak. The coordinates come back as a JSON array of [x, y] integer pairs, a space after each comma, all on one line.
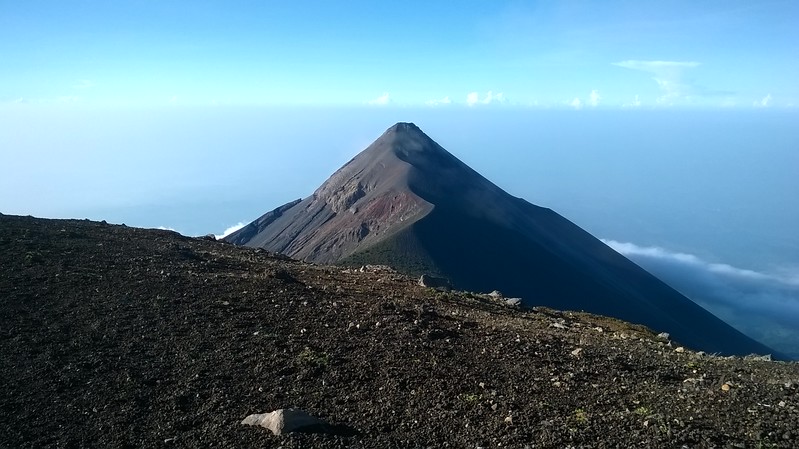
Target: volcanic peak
[[405, 127], [408, 203]]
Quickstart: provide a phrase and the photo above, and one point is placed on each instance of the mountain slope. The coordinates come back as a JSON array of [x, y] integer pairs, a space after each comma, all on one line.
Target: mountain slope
[[406, 202]]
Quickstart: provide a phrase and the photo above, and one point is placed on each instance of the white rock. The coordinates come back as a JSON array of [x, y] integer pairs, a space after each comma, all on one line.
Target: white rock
[[283, 420]]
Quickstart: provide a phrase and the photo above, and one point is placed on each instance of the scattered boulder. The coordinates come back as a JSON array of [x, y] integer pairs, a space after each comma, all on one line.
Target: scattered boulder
[[513, 302], [283, 275], [287, 420], [495, 294], [760, 358], [433, 282], [377, 269]]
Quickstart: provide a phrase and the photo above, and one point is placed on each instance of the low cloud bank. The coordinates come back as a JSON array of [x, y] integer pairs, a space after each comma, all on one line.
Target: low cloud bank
[[230, 230], [762, 305]]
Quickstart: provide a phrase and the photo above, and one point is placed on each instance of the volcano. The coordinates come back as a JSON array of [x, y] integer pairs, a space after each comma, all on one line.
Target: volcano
[[406, 202]]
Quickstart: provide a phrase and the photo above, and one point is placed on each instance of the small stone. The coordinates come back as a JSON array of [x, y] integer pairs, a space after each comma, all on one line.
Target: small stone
[[781, 404], [558, 326], [679, 349], [509, 419], [725, 387], [285, 420], [664, 335], [577, 352], [433, 282]]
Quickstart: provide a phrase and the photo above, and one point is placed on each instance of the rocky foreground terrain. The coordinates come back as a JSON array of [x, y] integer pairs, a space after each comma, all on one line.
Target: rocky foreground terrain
[[113, 336]]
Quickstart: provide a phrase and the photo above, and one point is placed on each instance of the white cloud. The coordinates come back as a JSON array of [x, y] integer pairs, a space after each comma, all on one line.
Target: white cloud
[[83, 84], [441, 101], [667, 75], [764, 102], [381, 100], [631, 249], [491, 98], [636, 103], [764, 306], [473, 98], [576, 103], [656, 66], [230, 230], [594, 98], [164, 228]]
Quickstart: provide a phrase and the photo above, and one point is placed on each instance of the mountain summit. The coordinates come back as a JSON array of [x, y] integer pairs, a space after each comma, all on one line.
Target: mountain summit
[[406, 202]]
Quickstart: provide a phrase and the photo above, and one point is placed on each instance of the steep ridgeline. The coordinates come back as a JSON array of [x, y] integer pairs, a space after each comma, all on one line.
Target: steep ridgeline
[[406, 202]]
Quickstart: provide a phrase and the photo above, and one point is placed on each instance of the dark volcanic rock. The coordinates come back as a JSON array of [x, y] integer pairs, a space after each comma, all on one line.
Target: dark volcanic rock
[[426, 280], [408, 203], [118, 337]]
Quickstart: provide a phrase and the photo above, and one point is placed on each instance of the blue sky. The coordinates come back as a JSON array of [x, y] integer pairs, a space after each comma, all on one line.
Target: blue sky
[[666, 128], [578, 54]]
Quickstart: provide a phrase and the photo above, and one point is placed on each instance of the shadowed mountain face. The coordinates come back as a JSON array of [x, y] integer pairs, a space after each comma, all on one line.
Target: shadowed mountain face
[[408, 203]]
